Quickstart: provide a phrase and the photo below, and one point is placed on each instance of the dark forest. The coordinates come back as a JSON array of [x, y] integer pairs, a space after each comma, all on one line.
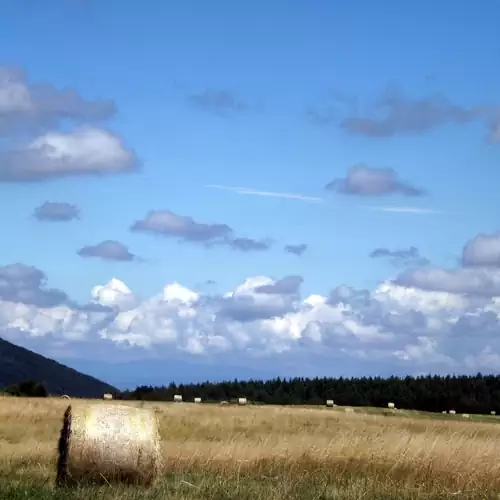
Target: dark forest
[[465, 394]]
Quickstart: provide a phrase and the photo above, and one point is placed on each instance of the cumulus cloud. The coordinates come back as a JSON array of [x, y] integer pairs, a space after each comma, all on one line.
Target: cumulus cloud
[[401, 257], [52, 211], [362, 180], [36, 105], [84, 151], [296, 249], [483, 250], [475, 281], [396, 114], [405, 327], [168, 224], [217, 101], [108, 250]]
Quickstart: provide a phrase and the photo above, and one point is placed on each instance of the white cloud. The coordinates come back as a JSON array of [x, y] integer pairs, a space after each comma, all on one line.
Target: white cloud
[[85, 150], [404, 327]]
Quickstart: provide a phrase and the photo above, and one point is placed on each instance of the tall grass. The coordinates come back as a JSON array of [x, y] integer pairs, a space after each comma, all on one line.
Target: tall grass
[[271, 453]]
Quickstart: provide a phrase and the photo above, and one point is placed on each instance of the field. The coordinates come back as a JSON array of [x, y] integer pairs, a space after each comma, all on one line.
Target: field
[[271, 453]]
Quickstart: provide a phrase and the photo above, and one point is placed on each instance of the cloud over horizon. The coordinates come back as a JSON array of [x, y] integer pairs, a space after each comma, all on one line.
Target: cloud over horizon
[[430, 318]]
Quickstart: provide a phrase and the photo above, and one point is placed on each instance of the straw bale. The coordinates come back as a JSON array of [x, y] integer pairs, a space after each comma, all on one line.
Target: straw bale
[[108, 396], [493, 412], [103, 443], [177, 398], [391, 406], [242, 401], [329, 403], [197, 400], [452, 412]]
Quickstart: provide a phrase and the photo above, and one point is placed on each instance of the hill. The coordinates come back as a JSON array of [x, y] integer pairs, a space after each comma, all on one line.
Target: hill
[[18, 364]]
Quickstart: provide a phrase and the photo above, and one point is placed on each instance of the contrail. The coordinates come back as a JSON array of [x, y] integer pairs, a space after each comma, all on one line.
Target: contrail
[[409, 210], [254, 192]]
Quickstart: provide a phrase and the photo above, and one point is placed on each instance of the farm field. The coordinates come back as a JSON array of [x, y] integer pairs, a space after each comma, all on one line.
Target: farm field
[[270, 453]]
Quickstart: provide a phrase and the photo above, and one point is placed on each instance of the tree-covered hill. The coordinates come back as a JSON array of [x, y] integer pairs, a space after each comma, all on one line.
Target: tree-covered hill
[[18, 364]]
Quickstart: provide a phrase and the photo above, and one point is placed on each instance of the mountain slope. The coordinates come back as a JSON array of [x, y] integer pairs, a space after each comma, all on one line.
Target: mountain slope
[[18, 364]]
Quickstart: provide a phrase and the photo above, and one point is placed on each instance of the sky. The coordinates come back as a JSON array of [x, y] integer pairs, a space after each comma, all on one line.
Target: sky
[[195, 190]]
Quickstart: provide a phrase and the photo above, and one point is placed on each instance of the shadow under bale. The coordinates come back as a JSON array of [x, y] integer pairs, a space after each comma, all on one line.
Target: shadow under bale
[[101, 444]]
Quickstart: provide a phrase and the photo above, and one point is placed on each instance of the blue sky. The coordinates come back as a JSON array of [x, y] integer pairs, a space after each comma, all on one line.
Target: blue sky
[[274, 97]]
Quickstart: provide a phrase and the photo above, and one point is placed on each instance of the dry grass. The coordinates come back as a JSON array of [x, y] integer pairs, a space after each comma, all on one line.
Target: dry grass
[[273, 453]]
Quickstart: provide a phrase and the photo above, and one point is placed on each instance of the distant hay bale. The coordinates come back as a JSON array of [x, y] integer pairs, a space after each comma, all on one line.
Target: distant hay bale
[[329, 403], [242, 401], [224, 403], [465, 415], [452, 412], [108, 396], [391, 406], [197, 400], [108, 443], [493, 412], [444, 412], [65, 396], [349, 410], [177, 398]]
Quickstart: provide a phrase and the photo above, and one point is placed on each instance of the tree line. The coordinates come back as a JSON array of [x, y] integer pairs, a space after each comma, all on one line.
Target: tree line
[[464, 394]]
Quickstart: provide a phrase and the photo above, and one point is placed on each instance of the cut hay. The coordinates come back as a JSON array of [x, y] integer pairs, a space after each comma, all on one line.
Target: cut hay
[[177, 398], [108, 443], [242, 401], [197, 400], [329, 403], [108, 396]]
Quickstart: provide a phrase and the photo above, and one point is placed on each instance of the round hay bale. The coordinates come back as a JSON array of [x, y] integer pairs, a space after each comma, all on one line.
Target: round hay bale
[[391, 406], [197, 400], [65, 396], [493, 412], [329, 403], [242, 401], [102, 443], [452, 412]]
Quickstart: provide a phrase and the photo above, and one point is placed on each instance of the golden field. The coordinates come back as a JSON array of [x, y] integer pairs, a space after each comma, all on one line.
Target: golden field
[[270, 453]]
